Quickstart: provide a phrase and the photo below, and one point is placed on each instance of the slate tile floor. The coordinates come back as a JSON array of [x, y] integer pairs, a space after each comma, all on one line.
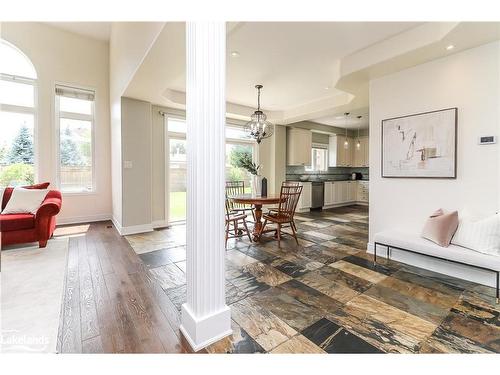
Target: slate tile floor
[[327, 296]]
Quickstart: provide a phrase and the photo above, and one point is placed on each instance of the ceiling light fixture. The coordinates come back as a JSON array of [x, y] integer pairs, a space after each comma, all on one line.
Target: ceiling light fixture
[[235, 54], [450, 47], [346, 142], [258, 127], [358, 143], [327, 88]]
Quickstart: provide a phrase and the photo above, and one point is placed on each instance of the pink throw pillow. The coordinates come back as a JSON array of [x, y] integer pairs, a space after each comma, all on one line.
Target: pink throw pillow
[[440, 227]]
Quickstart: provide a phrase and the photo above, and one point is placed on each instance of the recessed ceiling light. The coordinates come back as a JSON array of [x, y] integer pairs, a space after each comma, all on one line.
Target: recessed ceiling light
[[450, 47], [327, 88], [235, 54]]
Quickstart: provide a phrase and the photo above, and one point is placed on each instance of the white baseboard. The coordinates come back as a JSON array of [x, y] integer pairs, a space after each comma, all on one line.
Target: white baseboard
[[159, 224], [83, 219], [134, 229]]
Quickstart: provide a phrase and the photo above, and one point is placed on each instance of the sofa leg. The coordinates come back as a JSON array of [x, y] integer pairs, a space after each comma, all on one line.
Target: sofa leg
[[42, 243]]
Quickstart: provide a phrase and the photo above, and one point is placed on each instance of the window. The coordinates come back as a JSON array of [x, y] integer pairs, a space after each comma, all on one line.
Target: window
[[238, 145], [319, 158], [75, 123], [17, 117]]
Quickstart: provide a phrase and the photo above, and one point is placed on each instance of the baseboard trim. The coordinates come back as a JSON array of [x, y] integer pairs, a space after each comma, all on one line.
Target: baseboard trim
[[201, 332], [134, 229], [83, 219], [159, 224]]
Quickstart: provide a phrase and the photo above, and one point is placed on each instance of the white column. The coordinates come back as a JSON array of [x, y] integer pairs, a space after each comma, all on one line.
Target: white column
[[205, 316]]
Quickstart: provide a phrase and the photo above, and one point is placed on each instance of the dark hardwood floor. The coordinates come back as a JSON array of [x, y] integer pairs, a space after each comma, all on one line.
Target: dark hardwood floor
[[111, 304]]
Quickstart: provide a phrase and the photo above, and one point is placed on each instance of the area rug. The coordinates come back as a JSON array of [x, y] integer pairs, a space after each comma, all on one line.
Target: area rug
[[32, 283]]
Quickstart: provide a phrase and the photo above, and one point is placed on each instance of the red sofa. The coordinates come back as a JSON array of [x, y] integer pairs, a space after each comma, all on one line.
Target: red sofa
[[24, 228]]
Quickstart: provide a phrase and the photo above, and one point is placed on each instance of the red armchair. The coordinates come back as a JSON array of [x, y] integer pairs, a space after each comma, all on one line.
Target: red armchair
[[24, 228]]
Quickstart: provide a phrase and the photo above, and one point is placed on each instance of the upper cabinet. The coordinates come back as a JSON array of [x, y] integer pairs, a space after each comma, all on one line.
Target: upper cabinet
[[360, 155], [299, 145], [340, 154]]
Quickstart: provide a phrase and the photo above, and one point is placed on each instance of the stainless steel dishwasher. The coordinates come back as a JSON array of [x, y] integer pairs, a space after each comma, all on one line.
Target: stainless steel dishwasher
[[318, 194]]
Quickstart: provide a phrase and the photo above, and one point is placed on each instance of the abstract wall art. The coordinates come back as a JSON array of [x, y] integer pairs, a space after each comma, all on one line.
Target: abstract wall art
[[422, 145]]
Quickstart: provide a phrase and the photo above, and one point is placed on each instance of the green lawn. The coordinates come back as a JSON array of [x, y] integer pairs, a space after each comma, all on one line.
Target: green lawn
[[178, 204]]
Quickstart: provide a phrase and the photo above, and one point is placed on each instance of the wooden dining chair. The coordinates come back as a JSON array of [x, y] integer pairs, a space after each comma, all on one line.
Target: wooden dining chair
[[286, 210], [238, 188], [234, 218], [284, 183]]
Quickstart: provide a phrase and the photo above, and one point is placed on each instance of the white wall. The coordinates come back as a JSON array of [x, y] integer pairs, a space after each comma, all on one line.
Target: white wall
[[61, 56], [469, 80]]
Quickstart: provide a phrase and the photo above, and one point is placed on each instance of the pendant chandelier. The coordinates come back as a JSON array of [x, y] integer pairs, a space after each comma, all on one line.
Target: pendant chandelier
[[258, 127], [346, 142], [358, 144]]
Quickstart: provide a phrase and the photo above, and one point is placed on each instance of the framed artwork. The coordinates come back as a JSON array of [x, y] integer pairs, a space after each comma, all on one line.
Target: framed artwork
[[422, 145]]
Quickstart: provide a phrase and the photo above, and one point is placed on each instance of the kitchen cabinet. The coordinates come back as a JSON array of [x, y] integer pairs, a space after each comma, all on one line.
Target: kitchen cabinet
[[339, 155], [305, 201], [345, 192], [299, 145], [329, 193], [362, 192], [360, 156]]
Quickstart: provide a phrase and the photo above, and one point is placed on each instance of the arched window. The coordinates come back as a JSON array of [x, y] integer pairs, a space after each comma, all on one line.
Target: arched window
[[17, 117]]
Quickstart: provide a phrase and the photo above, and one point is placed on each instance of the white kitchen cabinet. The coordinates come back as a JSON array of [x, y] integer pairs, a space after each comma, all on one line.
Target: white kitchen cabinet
[[305, 200], [362, 193], [360, 156], [299, 145], [329, 193], [351, 191], [339, 155]]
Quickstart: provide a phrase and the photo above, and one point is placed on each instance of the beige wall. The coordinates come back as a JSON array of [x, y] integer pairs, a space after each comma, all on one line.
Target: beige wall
[[469, 80], [137, 150], [64, 57], [129, 44]]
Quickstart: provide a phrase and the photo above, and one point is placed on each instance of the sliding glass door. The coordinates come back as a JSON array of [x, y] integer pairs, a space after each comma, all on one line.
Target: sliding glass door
[[238, 146]]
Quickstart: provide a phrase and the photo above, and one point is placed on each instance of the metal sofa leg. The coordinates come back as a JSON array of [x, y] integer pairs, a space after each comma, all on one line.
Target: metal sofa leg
[[375, 253]]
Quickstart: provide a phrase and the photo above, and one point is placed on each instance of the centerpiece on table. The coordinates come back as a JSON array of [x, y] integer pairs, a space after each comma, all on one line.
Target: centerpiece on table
[[245, 161]]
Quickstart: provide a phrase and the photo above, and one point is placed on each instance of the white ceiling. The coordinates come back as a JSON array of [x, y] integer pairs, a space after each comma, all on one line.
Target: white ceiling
[[297, 62], [350, 122], [95, 30]]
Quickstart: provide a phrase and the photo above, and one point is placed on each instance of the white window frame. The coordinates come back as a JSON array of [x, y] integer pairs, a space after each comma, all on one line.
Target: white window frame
[[26, 110], [168, 134], [57, 126], [312, 167]]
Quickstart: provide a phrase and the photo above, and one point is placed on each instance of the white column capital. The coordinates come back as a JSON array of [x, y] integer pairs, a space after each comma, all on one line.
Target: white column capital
[[205, 316]]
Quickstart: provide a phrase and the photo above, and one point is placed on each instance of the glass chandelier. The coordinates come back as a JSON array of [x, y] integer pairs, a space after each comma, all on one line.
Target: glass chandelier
[[258, 127], [358, 144], [346, 142]]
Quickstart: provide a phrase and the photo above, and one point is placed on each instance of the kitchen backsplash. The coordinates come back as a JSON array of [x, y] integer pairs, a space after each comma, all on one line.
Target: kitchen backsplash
[[296, 173]]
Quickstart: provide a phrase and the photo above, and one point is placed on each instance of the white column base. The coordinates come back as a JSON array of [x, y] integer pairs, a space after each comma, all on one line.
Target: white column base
[[201, 332]]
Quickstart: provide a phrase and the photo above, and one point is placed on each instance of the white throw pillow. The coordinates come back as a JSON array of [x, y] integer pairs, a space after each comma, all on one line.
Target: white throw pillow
[[482, 235], [25, 201]]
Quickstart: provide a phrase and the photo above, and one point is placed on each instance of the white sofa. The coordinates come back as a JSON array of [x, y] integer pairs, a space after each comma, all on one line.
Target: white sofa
[[393, 239]]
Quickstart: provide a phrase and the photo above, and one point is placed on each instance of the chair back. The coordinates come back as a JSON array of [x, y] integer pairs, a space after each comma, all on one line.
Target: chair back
[[234, 188], [289, 199], [229, 207], [290, 183]]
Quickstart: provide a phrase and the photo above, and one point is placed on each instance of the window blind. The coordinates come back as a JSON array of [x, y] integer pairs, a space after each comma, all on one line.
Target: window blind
[[75, 93]]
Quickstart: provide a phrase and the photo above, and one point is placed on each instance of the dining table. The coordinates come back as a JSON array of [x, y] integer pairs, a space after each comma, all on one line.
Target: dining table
[[257, 202]]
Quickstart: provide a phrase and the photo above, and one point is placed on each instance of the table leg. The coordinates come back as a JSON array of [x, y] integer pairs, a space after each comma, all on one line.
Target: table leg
[[258, 222]]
